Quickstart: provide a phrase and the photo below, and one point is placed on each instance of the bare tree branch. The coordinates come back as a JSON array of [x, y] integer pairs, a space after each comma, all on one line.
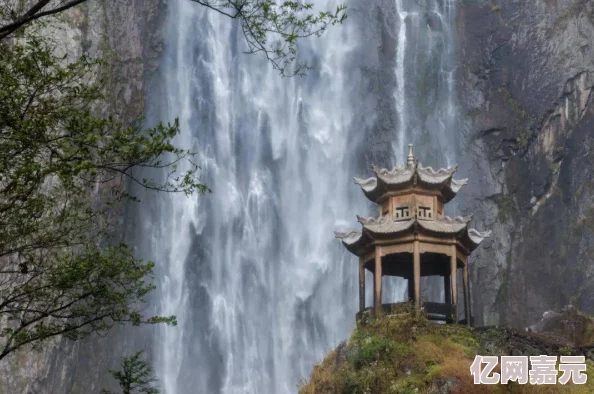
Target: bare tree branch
[[35, 12]]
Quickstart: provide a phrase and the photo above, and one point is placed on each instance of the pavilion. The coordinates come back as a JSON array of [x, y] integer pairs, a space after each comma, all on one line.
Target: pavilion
[[413, 238]]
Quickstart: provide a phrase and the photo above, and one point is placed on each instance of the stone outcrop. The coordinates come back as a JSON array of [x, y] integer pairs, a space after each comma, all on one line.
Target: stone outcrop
[[127, 35], [400, 354], [499, 341], [525, 87]]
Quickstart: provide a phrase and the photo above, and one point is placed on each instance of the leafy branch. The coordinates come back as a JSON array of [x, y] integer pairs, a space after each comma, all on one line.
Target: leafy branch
[[273, 29], [63, 172]]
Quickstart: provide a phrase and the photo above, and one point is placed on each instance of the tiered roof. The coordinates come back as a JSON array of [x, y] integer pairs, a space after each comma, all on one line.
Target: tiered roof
[[400, 178], [413, 178], [374, 229]]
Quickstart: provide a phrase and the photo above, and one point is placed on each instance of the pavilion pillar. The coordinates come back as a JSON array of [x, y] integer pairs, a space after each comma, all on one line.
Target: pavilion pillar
[[377, 283], [447, 289], [411, 289], [454, 279], [466, 294], [417, 274], [361, 283]]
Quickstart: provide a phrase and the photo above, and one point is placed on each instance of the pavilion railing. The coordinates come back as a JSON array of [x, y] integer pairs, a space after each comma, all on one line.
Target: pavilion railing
[[435, 311]]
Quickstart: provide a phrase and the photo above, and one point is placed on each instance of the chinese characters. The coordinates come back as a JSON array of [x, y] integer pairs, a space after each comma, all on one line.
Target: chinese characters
[[516, 369]]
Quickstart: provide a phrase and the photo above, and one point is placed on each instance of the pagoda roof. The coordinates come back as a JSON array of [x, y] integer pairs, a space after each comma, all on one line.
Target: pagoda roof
[[411, 175], [383, 228]]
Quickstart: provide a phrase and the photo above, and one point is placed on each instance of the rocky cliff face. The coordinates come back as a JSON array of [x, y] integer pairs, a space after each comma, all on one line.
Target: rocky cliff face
[[525, 85], [524, 73], [127, 35], [524, 80]]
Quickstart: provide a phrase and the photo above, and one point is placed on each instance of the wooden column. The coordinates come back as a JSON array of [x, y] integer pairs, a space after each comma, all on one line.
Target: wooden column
[[466, 294], [454, 278], [377, 281], [417, 274], [447, 289], [361, 284]]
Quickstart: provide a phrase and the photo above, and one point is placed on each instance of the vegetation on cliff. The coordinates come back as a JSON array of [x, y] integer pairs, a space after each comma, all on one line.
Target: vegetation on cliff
[[270, 28], [135, 376], [407, 354], [63, 173], [65, 166]]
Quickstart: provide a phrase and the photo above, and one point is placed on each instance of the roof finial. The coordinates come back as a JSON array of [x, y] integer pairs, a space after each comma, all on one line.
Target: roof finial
[[411, 158]]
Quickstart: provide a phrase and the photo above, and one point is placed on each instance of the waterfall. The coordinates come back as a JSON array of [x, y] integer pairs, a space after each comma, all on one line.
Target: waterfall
[[425, 94], [260, 287], [400, 92]]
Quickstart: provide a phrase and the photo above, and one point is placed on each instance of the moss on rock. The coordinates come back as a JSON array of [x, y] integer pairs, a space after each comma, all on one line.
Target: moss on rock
[[407, 354]]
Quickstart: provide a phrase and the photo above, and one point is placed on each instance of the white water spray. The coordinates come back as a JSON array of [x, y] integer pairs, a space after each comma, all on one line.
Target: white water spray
[[400, 93], [260, 287]]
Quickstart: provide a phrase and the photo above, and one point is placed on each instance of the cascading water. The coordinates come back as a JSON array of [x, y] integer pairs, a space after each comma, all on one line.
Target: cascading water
[[425, 94], [252, 271], [260, 288], [400, 93]]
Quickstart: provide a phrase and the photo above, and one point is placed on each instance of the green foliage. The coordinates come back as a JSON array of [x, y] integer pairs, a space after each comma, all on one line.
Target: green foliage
[[135, 377], [375, 348], [506, 206], [273, 28], [269, 27], [63, 173], [524, 137], [403, 353], [463, 336]]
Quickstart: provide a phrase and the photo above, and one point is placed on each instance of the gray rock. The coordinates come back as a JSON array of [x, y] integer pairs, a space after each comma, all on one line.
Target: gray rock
[[526, 84], [129, 32]]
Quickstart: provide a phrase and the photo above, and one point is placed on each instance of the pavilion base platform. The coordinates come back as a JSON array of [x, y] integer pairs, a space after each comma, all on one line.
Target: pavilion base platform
[[437, 312]]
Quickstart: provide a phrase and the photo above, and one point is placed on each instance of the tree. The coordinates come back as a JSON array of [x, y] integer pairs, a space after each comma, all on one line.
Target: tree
[[135, 377], [269, 27], [17, 14], [64, 168], [62, 172], [273, 28]]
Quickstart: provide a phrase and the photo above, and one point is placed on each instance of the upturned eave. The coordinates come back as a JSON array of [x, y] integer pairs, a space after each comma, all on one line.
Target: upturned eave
[[381, 231], [387, 181]]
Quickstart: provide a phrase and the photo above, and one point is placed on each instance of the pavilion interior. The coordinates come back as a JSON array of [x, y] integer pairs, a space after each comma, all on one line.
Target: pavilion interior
[[432, 265]]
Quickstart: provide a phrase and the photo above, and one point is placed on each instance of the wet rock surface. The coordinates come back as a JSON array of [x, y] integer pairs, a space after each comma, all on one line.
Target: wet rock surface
[[526, 78]]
